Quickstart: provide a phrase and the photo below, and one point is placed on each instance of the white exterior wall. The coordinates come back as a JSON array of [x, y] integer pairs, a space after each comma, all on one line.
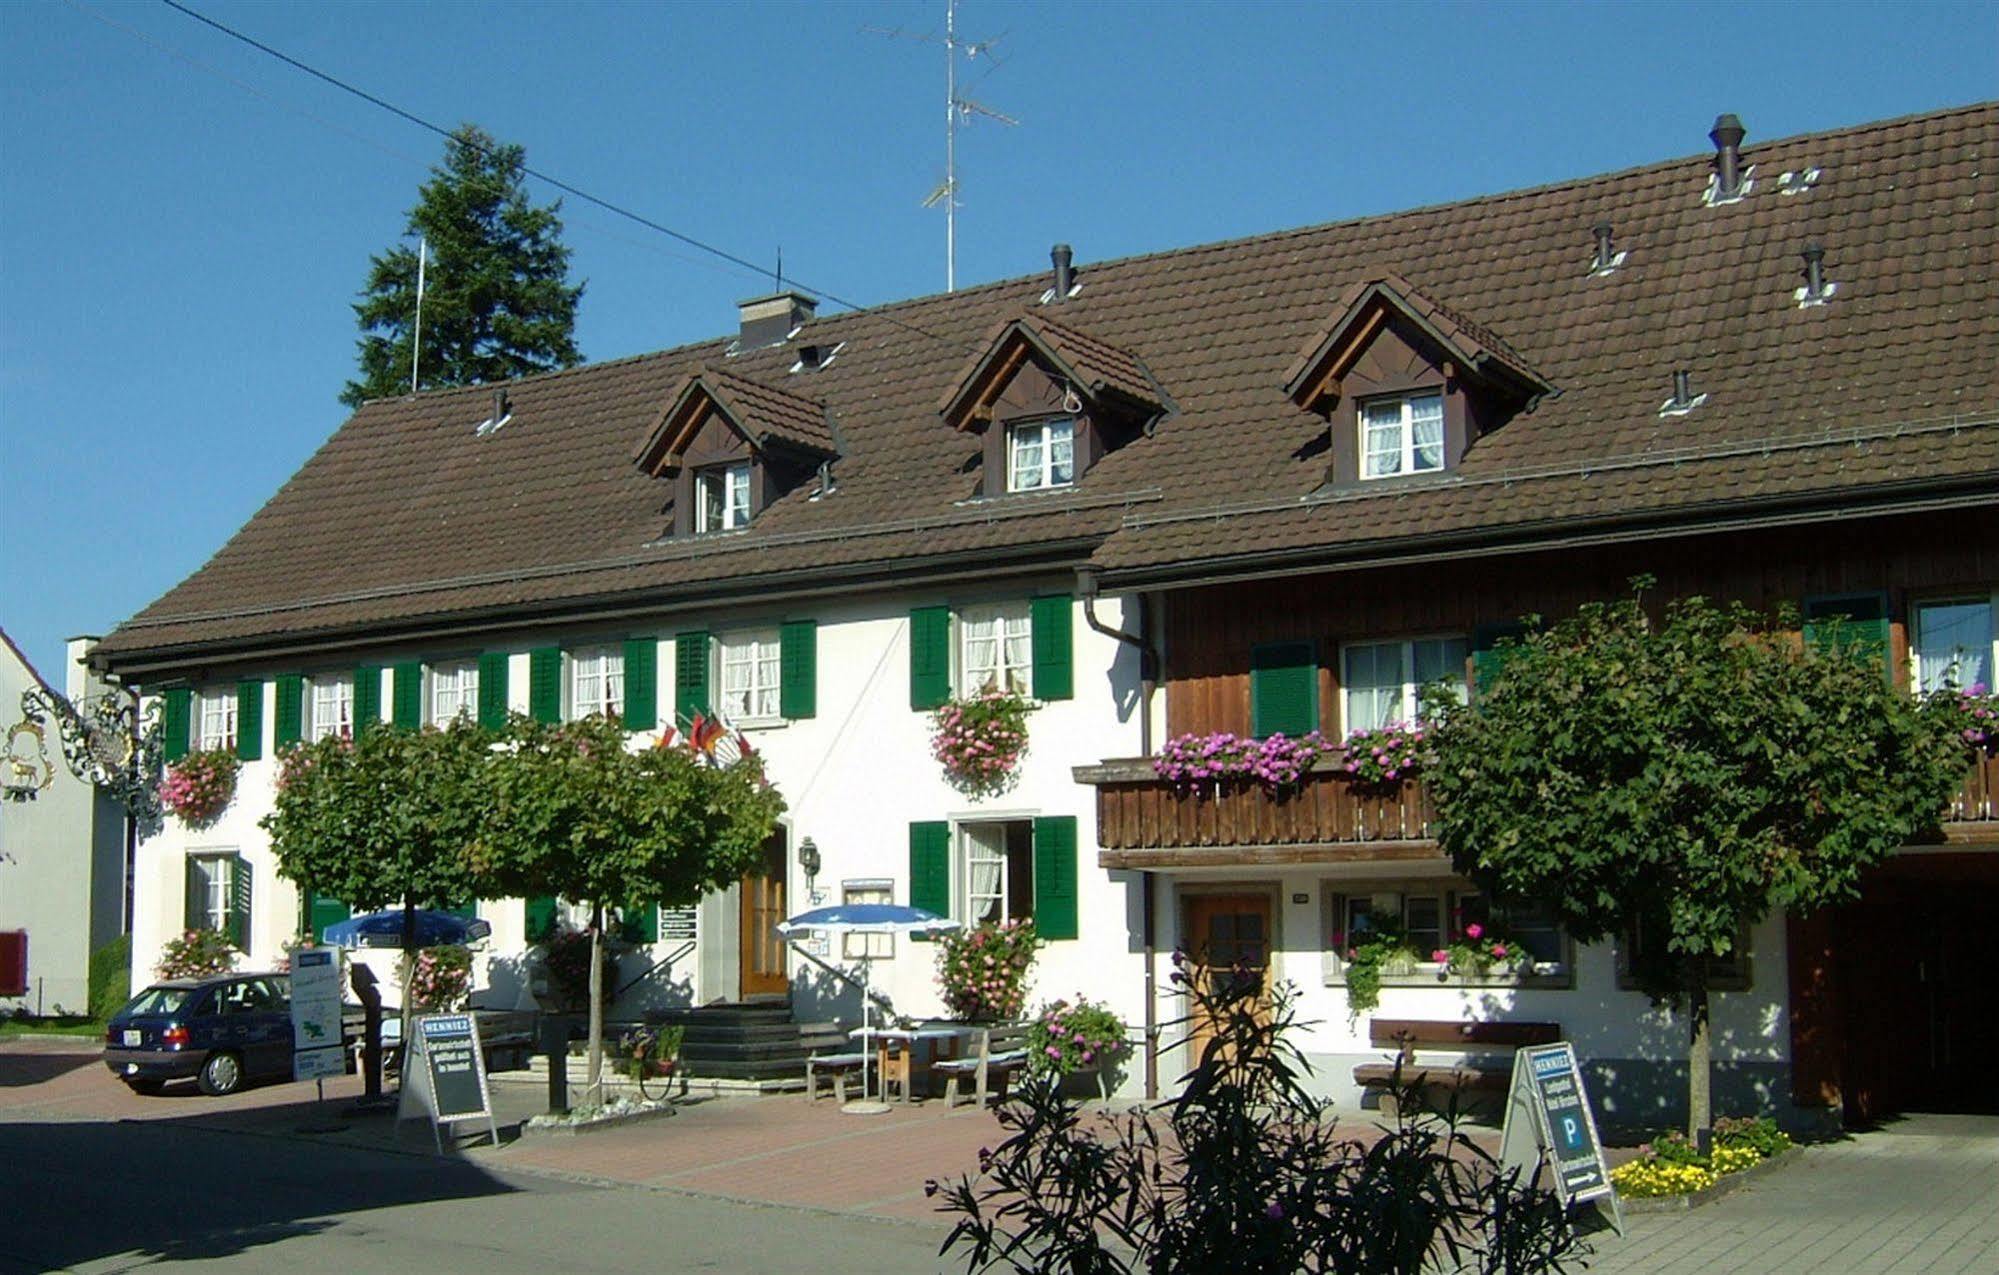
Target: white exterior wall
[[855, 775]]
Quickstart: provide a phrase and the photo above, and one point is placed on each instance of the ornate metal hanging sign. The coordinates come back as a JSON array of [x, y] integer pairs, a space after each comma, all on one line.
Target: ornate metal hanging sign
[[106, 742]]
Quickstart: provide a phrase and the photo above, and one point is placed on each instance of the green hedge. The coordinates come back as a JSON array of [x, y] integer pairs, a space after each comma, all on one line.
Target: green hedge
[[110, 977]]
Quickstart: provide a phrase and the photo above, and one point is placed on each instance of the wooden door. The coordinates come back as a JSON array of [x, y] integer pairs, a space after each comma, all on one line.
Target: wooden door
[[1227, 934], [763, 970]]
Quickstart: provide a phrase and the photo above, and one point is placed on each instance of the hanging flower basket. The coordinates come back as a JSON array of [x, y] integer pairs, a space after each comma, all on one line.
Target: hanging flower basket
[[979, 741], [200, 786], [982, 972]]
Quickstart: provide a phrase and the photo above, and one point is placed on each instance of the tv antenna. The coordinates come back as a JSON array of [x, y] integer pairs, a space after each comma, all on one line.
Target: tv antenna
[[959, 111]]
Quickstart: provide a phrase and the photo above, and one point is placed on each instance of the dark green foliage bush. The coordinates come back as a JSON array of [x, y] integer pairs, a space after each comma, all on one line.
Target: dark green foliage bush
[[1244, 1172], [110, 977]]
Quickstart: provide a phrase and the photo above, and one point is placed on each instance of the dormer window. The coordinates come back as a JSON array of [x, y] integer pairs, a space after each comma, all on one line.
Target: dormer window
[[1402, 435], [722, 498], [1041, 454]]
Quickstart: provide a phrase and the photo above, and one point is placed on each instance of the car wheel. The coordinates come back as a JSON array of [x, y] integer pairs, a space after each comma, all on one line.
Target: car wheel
[[221, 1074], [149, 1088]]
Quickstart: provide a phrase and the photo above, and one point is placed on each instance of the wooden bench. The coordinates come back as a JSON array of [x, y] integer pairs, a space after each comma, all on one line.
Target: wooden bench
[[834, 1067], [997, 1053], [1407, 1035]]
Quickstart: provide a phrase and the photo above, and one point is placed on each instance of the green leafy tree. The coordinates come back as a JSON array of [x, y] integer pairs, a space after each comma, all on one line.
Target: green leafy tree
[[577, 813], [1685, 777], [497, 299]]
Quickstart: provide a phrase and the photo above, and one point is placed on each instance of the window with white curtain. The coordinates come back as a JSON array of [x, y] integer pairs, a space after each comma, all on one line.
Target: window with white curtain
[[1955, 643], [1402, 435], [454, 691], [332, 706], [750, 671], [722, 497], [596, 682], [1041, 454], [210, 879], [996, 871], [996, 649], [1381, 681], [215, 717]]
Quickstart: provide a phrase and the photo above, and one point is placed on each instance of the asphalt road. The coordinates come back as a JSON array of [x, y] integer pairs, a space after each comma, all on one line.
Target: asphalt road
[[96, 1197]]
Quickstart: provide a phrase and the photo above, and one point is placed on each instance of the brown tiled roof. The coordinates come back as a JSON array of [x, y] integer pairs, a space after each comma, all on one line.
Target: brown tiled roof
[[406, 517], [1093, 365], [762, 412], [1466, 340]]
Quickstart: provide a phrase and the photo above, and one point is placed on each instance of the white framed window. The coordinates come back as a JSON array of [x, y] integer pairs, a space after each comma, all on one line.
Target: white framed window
[[1040, 454], [1430, 916], [215, 717], [1402, 435], [454, 692], [596, 682], [870, 946], [995, 649], [722, 497], [1380, 681], [332, 707], [995, 871], [750, 671], [1955, 642], [211, 878]]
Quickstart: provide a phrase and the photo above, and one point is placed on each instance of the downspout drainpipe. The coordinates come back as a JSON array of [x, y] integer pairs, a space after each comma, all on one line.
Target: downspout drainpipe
[[1148, 679]]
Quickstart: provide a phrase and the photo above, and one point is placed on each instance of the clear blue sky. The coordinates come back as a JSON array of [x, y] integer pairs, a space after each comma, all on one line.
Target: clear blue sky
[[184, 223]]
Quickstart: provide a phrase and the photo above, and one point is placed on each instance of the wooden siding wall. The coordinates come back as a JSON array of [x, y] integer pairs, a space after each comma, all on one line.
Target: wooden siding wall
[[1210, 630]]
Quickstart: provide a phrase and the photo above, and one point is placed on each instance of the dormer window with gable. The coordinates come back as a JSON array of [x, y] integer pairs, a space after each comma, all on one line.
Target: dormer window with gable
[[1407, 384], [1049, 401], [734, 447]]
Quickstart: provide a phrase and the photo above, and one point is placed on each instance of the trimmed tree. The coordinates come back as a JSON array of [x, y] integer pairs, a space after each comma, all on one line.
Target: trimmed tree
[[497, 299], [580, 814], [1683, 779]]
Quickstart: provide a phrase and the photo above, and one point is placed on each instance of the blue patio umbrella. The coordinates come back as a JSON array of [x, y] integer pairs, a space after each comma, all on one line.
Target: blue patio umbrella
[[867, 918], [385, 929]]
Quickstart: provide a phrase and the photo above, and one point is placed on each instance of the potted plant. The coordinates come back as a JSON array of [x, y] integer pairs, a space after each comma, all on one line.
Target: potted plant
[[1380, 759], [1070, 1038], [980, 740], [982, 971], [1204, 764], [441, 978], [200, 786], [197, 954], [1367, 955]]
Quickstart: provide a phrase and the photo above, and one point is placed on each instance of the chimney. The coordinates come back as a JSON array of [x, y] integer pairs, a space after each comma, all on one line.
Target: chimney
[[770, 320], [1815, 289], [1727, 135], [1065, 274]]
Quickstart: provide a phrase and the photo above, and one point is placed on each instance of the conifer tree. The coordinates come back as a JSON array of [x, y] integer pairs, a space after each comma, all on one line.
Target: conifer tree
[[497, 300]]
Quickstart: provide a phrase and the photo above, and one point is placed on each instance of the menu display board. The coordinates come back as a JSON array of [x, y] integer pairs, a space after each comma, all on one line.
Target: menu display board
[[317, 1047], [444, 1078], [1549, 1122]]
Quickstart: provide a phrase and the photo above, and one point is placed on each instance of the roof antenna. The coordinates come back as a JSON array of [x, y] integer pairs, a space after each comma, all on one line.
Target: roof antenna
[[780, 269], [416, 336], [958, 110]]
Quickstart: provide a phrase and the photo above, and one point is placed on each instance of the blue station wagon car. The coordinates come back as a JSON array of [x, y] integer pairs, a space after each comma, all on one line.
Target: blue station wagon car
[[222, 1030]]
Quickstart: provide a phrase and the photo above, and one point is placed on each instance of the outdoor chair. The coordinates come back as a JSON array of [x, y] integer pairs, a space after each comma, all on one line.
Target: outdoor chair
[[997, 1053]]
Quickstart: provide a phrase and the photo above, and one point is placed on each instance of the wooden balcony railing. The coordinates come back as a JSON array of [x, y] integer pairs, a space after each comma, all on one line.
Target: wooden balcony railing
[[1144, 821]]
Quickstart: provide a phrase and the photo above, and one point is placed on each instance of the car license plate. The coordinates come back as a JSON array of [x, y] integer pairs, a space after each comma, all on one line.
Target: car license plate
[[133, 1038]]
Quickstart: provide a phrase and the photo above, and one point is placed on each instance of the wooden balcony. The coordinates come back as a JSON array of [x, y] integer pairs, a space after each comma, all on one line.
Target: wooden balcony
[[1145, 822]]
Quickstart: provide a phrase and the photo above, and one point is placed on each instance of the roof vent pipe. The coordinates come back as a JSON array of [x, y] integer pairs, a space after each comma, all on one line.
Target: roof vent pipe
[[1065, 274], [1684, 399], [1727, 135], [1607, 257], [1815, 289]]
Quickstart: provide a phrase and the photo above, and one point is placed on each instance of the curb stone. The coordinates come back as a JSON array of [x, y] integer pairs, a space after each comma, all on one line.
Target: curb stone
[[1694, 1199]]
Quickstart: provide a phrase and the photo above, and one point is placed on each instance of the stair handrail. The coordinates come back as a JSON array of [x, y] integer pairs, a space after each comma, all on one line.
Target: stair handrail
[[882, 1002], [655, 967]]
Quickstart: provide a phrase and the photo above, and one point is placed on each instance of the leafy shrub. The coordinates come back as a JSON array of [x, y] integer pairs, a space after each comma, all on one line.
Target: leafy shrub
[[110, 977], [983, 971], [645, 1052], [1672, 1165], [980, 740], [1244, 1172], [1066, 1038], [1759, 1133], [441, 978], [197, 954], [199, 787]]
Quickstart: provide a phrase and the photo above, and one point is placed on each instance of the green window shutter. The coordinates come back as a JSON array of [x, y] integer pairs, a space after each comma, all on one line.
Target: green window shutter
[[194, 909], [493, 690], [1051, 625], [239, 902], [545, 683], [406, 709], [367, 698], [1055, 877], [1861, 626], [177, 721], [1283, 689], [929, 657], [540, 918], [930, 867], [326, 910], [690, 674], [249, 719], [798, 669], [641, 684], [639, 923], [1487, 656], [290, 726]]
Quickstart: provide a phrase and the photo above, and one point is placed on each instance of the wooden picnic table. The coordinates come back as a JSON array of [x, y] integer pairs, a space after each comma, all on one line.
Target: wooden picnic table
[[895, 1049]]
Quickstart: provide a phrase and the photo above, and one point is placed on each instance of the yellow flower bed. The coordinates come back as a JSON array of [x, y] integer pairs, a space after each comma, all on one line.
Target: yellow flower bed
[[1733, 1159], [1640, 1179]]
